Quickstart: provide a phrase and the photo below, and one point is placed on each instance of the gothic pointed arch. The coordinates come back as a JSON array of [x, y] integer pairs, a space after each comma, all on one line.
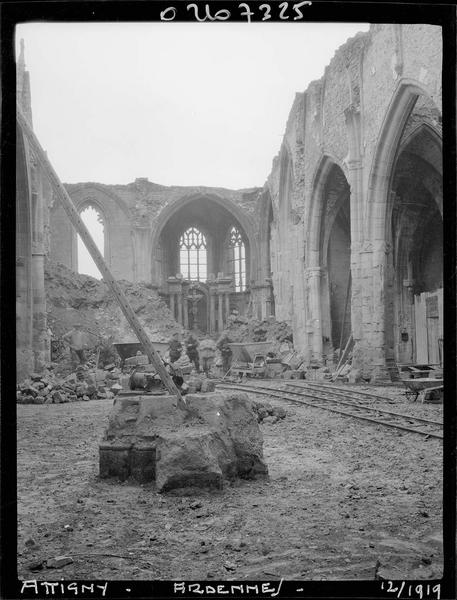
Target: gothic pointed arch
[[328, 252], [201, 205], [401, 105]]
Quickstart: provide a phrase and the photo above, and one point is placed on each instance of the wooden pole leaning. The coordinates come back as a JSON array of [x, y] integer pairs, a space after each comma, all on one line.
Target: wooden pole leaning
[[80, 228]]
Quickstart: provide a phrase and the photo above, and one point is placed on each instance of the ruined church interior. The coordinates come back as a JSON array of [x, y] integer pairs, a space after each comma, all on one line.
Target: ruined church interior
[[271, 317]]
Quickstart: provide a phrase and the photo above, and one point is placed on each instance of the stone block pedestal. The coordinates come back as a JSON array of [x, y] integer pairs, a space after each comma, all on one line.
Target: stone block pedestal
[[215, 438]]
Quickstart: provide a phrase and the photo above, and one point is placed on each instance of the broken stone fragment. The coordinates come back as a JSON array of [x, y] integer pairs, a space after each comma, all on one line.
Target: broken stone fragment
[[91, 389], [30, 391], [57, 397], [58, 561], [280, 412], [207, 386]]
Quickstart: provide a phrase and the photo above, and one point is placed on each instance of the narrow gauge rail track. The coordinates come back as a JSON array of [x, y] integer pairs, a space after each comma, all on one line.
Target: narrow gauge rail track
[[331, 401], [338, 390]]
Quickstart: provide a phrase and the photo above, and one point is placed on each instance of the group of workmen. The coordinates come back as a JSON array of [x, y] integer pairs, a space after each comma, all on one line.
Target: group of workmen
[[201, 354]]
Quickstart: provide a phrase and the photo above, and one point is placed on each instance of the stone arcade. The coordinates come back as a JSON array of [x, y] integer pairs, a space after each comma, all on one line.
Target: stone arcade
[[344, 237]]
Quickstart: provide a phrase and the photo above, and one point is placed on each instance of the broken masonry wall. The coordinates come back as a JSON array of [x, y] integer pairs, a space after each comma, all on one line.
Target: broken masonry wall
[[131, 213], [348, 118], [33, 198]]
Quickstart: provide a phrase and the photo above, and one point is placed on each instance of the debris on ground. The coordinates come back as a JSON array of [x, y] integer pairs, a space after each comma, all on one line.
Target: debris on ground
[[267, 413], [321, 467], [82, 385], [244, 329], [75, 298]]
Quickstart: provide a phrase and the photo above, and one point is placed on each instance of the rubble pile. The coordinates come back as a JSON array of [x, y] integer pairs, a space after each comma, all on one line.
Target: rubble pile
[[83, 385], [73, 298], [242, 329], [267, 413]]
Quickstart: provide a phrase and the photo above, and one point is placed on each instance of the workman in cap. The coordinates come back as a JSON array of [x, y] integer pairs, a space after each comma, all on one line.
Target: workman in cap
[[77, 339], [175, 348]]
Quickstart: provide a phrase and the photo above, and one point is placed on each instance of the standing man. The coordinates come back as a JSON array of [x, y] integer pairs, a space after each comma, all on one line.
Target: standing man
[[192, 351], [207, 354], [225, 350], [77, 340], [175, 348]]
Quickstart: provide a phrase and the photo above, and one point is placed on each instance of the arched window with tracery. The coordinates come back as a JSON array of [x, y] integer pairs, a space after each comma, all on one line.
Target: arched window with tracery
[[193, 255], [237, 259]]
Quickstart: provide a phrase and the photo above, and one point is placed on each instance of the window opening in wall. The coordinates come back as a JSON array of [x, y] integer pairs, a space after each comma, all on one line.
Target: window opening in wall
[[93, 220], [193, 255], [237, 259]]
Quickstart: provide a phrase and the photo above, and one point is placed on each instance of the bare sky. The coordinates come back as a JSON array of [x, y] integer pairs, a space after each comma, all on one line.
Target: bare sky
[[178, 103]]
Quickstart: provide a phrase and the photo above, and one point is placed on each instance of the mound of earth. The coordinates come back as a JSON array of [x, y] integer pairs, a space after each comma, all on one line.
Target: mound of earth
[[72, 298]]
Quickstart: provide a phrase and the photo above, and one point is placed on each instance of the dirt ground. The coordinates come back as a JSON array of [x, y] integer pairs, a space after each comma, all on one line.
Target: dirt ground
[[344, 499]]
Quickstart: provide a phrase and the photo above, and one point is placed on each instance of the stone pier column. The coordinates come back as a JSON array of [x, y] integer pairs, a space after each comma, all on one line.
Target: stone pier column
[[40, 330], [314, 277], [378, 331], [186, 312], [227, 307], [172, 305], [39, 318], [358, 203], [141, 253], [220, 326], [212, 311], [179, 301]]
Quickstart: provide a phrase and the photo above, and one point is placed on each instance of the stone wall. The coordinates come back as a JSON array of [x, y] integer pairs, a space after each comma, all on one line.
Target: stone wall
[[353, 118]]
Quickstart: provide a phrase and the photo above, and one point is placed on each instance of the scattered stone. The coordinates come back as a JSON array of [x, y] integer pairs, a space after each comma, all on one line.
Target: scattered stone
[[57, 397], [36, 565], [271, 419], [58, 561], [279, 412], [355, 376], [116, 388], [30, 542], [207, 386]]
